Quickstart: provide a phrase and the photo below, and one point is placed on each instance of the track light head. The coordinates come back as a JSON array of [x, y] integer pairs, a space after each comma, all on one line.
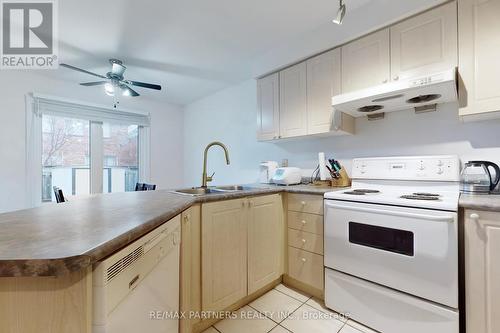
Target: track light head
[[340, 13]]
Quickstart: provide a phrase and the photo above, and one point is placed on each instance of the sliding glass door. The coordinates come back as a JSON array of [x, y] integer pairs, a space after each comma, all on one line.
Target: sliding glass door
[[121, 158], [65, 156], [70, 144]]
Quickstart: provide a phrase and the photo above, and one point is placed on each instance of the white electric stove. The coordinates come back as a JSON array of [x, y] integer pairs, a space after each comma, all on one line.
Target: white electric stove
[[391, 244]]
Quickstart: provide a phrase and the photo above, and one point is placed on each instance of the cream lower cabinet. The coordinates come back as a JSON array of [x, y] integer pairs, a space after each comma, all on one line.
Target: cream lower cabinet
[[224, 253], [305, 243], [265, 241], [482, 271], [479, 66], [241, 248], [190, 279]]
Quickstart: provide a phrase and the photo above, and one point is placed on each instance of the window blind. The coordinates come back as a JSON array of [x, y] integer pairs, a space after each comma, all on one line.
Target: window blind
[[45, 105]]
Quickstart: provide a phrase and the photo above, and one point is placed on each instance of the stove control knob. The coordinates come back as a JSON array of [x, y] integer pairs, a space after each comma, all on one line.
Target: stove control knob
[[440, 163], [421, 167], [440, 171]]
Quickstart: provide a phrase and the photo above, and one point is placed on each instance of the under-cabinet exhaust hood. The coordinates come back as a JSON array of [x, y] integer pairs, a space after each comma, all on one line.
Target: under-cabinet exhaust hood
[[421, 93]]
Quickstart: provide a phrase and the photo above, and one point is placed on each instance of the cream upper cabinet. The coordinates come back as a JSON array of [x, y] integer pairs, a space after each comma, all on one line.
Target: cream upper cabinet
[[293, 108], [426, 43], [265, 241], [268, 107], [323, 82], [224, 254], [366, 62], [479, 49], [482, 271]]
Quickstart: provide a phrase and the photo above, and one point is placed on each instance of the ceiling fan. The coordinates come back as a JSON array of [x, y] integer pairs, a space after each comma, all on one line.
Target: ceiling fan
[[114, 80]]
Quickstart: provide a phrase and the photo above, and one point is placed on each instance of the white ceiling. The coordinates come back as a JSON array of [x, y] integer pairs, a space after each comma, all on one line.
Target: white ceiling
[[191, 47]]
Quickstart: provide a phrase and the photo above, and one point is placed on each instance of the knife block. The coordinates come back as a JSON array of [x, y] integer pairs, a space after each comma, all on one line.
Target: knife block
[[343, 181]]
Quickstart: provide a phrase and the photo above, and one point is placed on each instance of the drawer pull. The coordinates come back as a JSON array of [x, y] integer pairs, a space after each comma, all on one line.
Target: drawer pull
[[304, 259], [303, 222], [304, 241], [303, 203]]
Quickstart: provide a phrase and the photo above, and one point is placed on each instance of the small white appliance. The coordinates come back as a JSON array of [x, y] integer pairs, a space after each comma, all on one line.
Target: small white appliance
[[287, 176], [267, 170], [391, 245], [417, 93], [137, 289]]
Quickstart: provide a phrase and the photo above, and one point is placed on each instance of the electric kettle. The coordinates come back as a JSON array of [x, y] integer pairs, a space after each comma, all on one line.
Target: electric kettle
[[476, 177]]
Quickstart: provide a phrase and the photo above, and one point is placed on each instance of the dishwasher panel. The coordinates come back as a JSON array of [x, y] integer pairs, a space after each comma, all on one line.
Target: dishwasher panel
[[137, 289]]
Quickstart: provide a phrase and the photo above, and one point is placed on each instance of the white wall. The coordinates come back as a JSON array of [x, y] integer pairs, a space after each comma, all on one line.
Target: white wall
[[166, 131], [230, 116]]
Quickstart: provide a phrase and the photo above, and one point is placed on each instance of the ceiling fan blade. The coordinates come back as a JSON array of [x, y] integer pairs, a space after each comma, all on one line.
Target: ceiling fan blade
[[144, 85], [127, 91], [97, 83], [82, 70]]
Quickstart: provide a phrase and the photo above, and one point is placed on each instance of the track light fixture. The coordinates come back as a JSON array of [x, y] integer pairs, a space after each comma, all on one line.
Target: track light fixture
[[340, 13]]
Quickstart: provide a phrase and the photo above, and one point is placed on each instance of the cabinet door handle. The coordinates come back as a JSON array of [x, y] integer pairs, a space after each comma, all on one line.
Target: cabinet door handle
[[303, 203], [396, 78], [385, 81], [304, 259], [304, 222], [186, 219], [304, 241], [474, 217]]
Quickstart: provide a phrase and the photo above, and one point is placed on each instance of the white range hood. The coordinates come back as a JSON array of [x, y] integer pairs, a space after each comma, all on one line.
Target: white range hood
[[418, 93]]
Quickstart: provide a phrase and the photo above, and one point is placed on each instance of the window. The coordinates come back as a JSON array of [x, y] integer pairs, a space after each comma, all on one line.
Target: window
[[65, 156], [83, 149], [121, 159]]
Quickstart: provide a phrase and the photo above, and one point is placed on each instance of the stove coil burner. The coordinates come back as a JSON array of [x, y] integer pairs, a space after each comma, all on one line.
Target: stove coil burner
[[354, 193], [361, 192], [421, 196], [426, 194]]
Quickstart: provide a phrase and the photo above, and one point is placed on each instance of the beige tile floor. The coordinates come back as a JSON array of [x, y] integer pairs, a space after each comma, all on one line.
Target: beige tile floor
[[285, 310]]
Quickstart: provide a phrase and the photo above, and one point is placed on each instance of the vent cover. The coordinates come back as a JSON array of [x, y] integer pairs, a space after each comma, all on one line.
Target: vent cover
[[123, 263]]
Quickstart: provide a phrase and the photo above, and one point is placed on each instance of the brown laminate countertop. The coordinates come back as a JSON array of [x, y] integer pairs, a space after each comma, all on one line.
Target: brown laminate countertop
[[488, 202], [57, 239]]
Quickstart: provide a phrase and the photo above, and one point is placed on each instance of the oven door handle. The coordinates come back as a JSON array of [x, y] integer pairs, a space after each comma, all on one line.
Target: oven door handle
[[446, 218]]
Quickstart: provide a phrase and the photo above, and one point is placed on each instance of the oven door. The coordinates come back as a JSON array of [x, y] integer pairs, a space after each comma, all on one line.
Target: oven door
[[407, 249]]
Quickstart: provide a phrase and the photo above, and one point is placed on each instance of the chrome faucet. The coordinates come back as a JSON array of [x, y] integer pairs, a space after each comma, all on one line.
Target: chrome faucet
[[205, 178]]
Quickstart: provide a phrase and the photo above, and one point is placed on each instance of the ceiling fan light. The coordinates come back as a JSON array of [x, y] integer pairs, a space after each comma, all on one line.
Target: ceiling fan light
[[109, 89], [340, 13]]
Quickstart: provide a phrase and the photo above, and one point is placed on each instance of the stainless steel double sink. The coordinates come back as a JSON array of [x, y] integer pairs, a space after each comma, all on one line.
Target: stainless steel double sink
[[195, 191]]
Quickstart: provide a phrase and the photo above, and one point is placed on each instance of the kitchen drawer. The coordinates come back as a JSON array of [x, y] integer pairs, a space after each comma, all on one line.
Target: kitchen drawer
[[305, 241], [306, 267], [306, 222], [306, 203]]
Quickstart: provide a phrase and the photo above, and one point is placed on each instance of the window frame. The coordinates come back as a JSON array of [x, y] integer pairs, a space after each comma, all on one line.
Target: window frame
[[34, 134]]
